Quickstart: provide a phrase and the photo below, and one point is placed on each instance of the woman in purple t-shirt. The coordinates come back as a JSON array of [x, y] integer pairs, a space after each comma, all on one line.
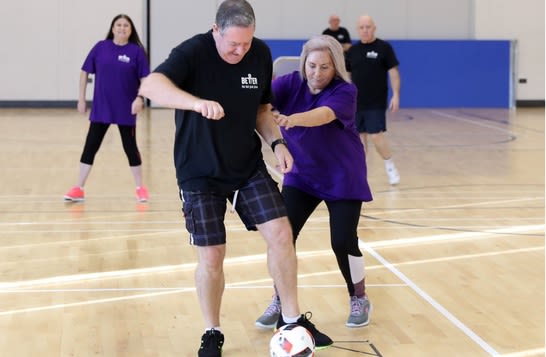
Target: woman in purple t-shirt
[[317, 108], [119, 63]]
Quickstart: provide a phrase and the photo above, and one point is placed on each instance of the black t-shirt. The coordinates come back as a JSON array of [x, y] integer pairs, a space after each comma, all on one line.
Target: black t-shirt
[[218, 155], [341, 34], [369, 64]]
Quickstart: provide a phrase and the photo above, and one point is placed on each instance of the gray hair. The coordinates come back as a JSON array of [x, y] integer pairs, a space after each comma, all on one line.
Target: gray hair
[[238, 13], [333, 47]]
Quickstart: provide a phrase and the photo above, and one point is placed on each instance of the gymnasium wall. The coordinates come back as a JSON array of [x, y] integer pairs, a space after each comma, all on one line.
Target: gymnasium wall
[[45, 42], [173, 20], [444, 73]]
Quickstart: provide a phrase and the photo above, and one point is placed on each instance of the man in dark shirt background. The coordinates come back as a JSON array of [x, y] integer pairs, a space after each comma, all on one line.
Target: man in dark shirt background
[[338, 32]]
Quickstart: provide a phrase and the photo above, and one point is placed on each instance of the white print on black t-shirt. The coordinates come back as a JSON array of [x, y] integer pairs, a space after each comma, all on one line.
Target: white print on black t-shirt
[[124, 58], [249, 82], [371, 54]]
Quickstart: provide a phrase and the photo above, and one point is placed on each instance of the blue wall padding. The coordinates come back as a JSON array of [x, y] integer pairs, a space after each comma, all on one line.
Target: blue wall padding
[[443, 73]]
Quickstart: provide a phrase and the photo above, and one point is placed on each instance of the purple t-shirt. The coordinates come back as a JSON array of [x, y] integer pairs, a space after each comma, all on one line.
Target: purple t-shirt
[[329, 161], [118, 70]]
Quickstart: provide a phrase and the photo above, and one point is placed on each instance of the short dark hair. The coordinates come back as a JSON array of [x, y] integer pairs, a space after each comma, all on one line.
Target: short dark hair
[[237, 13]]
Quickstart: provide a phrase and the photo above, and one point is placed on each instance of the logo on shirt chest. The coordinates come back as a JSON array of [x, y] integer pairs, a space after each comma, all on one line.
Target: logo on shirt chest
[[371, 54], [124, 58], [249, 82]]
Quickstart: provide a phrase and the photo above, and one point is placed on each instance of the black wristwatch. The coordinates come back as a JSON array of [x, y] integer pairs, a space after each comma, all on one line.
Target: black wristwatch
[[277, 142]]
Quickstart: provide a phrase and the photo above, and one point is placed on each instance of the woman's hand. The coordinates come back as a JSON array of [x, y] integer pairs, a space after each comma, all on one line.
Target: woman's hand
[[137, 105], [285, 121]]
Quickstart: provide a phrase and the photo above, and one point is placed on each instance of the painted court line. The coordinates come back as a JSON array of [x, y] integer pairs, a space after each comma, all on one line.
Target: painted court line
[[473, 336], [473, 122], [251, 259]]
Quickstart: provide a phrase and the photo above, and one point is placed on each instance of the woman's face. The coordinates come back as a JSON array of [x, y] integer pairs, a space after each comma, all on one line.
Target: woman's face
[[319, 70], [121, 30]]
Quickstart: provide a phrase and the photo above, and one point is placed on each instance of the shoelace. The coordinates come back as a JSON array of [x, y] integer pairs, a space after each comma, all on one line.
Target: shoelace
[[307, 317], [356, 306], [274, 307]]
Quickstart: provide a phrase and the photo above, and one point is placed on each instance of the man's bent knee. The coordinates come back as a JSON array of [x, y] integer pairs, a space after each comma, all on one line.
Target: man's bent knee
[[277, 231]]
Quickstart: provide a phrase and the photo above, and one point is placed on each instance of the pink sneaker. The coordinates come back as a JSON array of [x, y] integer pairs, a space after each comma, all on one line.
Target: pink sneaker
[[75, 194], [142, 194]]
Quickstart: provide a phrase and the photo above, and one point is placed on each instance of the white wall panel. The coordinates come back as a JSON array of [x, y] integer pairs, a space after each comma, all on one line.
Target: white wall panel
[[172, 21], [522, 21], [30, 49], [433, 19], [44, 42]]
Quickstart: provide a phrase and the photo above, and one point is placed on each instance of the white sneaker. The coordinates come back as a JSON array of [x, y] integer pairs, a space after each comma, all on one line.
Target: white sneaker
[[392, 172]]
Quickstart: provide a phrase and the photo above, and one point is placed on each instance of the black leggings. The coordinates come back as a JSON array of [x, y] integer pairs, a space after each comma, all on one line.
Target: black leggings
[[94, 140], [344, 217]]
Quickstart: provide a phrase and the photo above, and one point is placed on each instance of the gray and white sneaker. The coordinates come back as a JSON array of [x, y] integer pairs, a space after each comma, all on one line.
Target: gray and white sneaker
[[360, 312], [271, 315]]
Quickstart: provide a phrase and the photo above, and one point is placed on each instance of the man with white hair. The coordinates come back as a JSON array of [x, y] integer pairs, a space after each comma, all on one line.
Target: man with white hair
[[370, 62]]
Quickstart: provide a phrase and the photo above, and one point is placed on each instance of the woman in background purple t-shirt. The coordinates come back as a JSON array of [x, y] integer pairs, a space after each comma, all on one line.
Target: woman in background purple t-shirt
[[317, 108], [119, 63]]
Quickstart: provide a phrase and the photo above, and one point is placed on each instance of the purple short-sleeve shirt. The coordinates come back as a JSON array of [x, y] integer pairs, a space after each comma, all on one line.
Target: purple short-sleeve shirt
[[118, 70], [329, 161]]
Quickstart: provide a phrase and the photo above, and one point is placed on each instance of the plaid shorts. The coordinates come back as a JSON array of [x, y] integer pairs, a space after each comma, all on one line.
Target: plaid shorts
[[258, 201]]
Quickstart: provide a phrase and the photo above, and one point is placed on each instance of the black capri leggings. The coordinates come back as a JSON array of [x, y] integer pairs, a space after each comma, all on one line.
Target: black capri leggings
[[96, 133], [344, 218]]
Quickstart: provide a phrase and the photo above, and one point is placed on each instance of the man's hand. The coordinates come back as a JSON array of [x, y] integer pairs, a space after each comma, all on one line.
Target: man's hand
[[209, 109], [284, 158]]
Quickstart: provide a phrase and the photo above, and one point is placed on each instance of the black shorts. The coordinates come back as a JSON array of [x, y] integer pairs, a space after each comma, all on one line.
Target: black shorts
[[257, 202], [371, 121]]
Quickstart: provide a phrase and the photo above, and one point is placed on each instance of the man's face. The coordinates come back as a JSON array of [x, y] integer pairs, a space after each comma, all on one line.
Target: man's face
[[334, 23], [366, 29], [233, 43]]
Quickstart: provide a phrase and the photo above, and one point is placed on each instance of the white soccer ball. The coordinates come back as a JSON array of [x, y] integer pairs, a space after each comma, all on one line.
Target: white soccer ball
[[292, 341]]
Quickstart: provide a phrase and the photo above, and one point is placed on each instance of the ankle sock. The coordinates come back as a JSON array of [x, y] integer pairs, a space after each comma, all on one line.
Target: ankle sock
[[290, 320], [217, 328]]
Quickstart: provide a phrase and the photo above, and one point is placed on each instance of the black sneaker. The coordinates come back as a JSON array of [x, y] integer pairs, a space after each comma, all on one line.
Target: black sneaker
[[321, 340], [211, 344]]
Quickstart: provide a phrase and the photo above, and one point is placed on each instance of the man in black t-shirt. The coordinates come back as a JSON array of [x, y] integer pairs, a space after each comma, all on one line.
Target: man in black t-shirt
[[370, 62], [338, 32], [219, 84]]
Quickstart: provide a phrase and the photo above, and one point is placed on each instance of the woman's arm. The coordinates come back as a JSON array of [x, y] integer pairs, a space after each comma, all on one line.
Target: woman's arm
[[314, 117], [82, 104]]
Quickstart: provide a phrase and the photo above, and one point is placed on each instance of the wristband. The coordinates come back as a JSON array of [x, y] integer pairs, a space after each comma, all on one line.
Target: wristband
[[277, 142]]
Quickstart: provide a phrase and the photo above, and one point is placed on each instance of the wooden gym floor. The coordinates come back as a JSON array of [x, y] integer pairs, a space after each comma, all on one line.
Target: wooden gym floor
[[454, 254]]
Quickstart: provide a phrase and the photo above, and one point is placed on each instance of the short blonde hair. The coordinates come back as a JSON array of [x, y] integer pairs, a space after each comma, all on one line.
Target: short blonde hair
[[333, 47]]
